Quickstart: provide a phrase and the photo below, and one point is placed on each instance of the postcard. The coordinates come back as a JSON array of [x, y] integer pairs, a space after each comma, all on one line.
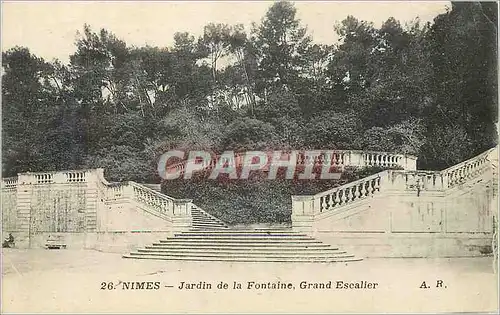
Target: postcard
[[249, 157]]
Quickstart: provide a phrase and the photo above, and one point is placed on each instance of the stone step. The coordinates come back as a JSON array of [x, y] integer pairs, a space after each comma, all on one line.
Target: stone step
[[281, 237], [242, 231], [205, 220], [202, 216], [208, 226], [208, 223], [254, 251], [248, 259], [201, 227], [247, 254], [242, 247], [225, 234], [224, 242], [195, 228], [241, 255]]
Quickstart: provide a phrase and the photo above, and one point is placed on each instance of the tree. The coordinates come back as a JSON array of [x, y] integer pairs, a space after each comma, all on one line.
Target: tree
[[31, 104], [463, 50], [282, 45], [215, 42]]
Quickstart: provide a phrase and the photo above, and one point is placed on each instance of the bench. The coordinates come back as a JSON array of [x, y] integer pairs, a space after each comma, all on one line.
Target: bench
[[56, 242]]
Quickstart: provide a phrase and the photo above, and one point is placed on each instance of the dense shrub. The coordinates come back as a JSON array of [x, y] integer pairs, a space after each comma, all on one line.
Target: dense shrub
[[256, 200]]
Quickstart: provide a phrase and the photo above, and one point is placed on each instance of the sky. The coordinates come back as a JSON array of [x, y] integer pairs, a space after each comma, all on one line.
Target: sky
[[48, 28]]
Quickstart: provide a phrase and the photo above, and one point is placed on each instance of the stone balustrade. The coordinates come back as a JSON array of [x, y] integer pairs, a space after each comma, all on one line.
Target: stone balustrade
[[338, 197], [418, 180], [466, 170], [164, 204], [115, 191], [9, 183], [76, 177], [336, 158], [348, 193], [394, 180], [161, 203], [64, 177]]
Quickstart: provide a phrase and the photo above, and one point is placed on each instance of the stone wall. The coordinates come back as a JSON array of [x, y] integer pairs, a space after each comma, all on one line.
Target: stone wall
[[9, 202], [86, 211]]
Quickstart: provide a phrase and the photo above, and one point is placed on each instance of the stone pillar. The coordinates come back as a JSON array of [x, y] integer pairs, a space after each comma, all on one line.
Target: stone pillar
[[181, 219], [410, 163], [356, 159], [303, 210], [23, 231]]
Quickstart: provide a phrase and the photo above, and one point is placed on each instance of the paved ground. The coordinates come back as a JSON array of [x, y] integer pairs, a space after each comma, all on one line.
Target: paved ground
[[71, 280]]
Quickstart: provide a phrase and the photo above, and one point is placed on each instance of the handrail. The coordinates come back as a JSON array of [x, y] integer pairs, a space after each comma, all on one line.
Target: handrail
[[349, 193], [149, 190], [351, 184], [483, 155], [9, 182]]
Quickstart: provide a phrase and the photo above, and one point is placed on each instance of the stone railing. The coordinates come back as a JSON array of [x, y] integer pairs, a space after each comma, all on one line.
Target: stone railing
[[9, 183], [163, 204], [338, 197], [336, 158], [349, 193], [468, 169], [63, 177], [393, 180]]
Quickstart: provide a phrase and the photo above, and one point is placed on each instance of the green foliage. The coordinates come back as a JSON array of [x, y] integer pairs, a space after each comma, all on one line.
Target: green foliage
[[249, 134], [332, 130], [406, 137], [463, 53], [258, 200]]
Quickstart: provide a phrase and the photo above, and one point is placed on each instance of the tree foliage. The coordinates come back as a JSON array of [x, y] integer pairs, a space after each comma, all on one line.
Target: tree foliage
[[423, 89]]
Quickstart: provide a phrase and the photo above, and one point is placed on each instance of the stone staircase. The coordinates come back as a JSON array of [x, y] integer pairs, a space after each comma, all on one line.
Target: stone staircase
[[204, 221], [243, 246]]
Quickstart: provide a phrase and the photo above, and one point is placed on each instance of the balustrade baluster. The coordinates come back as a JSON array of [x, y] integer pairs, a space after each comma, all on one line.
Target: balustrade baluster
[[368, 188], [376, 185], [349, 194], [337, 198], [323, 204], [343, 198], [357, 192], [362, 190], [331, 201]]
